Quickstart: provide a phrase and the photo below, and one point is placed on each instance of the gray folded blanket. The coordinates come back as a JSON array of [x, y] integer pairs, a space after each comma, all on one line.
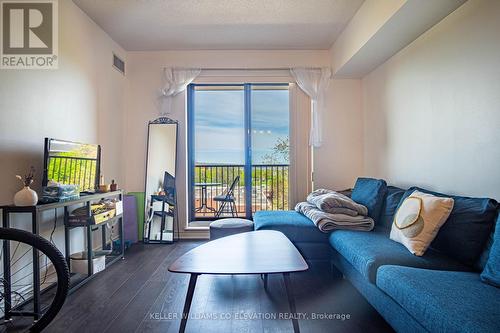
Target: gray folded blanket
[[327, 222], [335, 203]]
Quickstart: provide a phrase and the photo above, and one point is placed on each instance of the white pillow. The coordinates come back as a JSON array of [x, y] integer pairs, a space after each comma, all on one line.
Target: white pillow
[[418, 220]]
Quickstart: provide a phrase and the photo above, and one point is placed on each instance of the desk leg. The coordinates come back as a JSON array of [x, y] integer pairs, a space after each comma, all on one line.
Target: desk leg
[[6, 271], [187, 304], [67, 237], [122, 237], [162, 224], [90, 262], [291, 301], [36, 270]]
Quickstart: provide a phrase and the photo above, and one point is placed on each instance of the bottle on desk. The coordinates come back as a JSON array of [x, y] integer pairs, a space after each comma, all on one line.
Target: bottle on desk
[[113, 185]]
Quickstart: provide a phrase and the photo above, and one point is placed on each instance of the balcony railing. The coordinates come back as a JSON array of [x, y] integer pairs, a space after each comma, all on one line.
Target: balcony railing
[[270, 187], [79, 171]]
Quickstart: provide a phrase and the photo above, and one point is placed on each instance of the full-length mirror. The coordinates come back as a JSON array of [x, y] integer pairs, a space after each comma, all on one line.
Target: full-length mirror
[[160, 192]]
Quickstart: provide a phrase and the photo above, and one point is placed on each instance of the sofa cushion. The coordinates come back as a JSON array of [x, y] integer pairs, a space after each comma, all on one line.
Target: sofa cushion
[[294, 225], [391, 201], [370, 193], [443, 301], [367, 251], [466, 231], [491, 273]]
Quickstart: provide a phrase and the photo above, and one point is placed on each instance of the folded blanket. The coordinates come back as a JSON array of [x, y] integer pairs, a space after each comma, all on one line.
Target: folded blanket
[[335, 203], [327, 222]]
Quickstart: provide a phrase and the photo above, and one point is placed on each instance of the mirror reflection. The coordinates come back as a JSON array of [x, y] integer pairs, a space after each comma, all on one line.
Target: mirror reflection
[[160, 193]]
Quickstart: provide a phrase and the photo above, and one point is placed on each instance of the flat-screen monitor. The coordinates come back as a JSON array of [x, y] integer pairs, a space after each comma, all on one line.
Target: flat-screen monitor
[[72, 163], [169, 187]]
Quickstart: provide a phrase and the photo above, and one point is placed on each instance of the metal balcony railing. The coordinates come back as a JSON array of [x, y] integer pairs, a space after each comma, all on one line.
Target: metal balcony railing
[[270, 187], [79, 171]]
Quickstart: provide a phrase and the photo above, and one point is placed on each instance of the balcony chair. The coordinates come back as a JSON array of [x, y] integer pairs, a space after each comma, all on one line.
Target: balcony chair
[[227, 199]]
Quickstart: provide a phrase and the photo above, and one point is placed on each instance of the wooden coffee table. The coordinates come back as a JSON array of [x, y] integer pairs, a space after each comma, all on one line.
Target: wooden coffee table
[[256, 252]]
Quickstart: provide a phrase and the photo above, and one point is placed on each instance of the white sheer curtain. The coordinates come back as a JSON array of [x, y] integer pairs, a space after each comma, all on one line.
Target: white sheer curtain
[[314, 82], [176, 81]]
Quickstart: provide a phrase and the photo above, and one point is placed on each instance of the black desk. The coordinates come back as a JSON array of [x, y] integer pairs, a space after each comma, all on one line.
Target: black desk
[[171, 212], [76, 280]]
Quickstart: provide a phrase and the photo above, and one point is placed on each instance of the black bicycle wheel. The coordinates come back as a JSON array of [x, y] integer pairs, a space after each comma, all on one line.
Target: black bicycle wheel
[[12, 238]]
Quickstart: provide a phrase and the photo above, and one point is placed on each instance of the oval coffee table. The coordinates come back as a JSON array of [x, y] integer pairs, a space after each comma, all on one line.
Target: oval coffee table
[[256, 252]]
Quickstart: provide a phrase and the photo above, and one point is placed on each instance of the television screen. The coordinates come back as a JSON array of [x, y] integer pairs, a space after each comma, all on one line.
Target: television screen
[[72, 163]]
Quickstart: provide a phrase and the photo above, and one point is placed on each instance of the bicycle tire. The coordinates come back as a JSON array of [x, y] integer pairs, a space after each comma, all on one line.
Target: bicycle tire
[[60, 266]]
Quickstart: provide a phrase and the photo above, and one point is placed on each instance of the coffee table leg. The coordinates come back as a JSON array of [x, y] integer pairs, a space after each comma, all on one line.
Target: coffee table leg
[[291, 302], [264, 277], [187, 303]]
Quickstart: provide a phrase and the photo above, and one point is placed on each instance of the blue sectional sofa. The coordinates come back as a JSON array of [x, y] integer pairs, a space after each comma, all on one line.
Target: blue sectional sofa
[[438, 292]]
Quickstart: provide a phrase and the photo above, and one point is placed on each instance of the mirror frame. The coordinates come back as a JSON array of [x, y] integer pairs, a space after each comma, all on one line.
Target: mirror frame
[[163, 121]]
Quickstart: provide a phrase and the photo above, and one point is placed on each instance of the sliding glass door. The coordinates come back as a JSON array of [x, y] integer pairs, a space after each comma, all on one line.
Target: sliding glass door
[[270, 128], [216, 147], [238, 147]]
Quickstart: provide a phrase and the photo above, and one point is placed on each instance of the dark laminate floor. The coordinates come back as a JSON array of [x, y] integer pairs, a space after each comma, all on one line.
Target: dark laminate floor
[[138, 294]]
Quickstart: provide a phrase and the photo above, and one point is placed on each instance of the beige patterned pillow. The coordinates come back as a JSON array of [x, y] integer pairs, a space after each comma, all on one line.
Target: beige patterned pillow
[[418, 220]]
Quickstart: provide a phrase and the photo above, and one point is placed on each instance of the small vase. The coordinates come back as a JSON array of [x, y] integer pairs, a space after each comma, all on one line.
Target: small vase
[[26, 197]]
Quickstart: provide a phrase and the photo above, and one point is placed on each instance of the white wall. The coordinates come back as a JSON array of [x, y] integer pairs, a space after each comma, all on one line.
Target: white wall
[[145, 74], [80, 101], [339, 161], [145, 77], [369, 18], [432, 112]]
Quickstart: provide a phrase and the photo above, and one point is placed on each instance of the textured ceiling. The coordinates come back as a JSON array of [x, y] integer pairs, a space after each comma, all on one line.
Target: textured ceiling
[[146, 25]]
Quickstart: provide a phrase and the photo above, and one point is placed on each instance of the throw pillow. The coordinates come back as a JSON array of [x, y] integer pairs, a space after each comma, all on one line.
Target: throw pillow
[[466, 232], [418, 220], [370, 193], [491, 272]]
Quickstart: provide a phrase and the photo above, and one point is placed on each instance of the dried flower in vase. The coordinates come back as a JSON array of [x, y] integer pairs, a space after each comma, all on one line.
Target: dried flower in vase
[[28, 179]]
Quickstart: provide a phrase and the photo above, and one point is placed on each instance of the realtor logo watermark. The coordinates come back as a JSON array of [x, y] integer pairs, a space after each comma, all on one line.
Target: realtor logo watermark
[[29, 34]]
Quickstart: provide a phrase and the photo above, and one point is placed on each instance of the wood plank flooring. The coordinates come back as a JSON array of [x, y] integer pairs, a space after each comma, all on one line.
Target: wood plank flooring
[[138, 294]]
